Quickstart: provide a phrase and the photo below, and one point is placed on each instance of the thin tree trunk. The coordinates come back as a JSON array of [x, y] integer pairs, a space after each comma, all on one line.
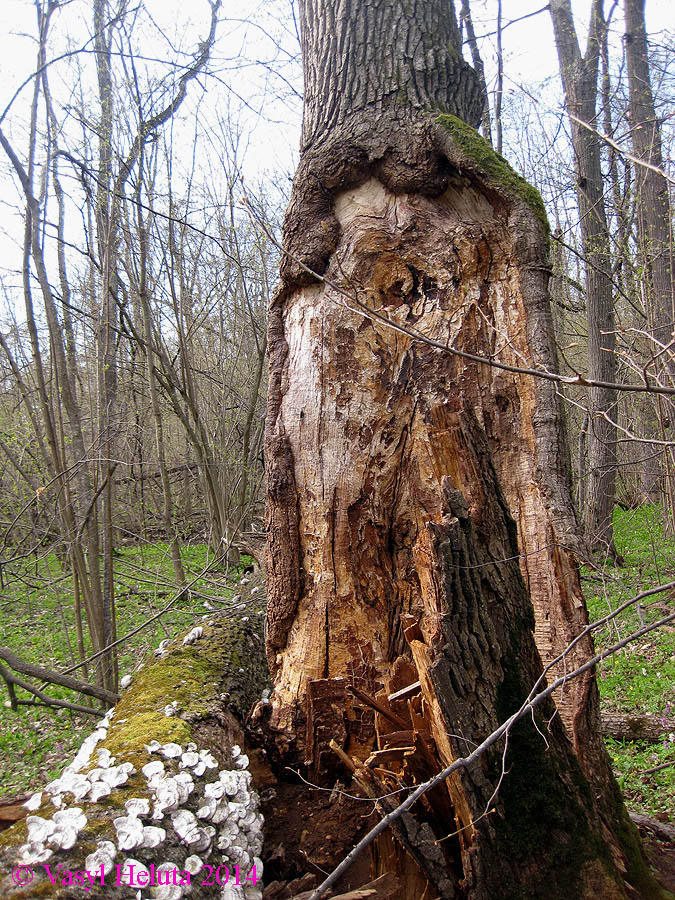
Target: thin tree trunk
[[654, 215], [580, 81], [467, 21], [167, 516]]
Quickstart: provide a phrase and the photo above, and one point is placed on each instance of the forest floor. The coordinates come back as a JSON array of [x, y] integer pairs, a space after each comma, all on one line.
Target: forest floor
[[640, 678], [36, 621]]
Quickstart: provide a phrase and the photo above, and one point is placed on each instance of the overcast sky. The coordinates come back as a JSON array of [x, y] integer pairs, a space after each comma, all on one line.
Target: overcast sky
[[255, 79]]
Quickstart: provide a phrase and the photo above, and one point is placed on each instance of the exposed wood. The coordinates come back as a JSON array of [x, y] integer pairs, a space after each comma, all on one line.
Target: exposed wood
[[378, 706], [12, 810], [402, 467], [390, 754], [406, 692], [380, 889]]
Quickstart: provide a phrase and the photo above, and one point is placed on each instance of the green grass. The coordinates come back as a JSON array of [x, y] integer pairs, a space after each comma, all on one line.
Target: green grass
[[37, 622], [641, 677]]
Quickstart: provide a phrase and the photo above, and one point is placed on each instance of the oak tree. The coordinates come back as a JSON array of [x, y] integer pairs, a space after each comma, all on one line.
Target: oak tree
[[406, 482]]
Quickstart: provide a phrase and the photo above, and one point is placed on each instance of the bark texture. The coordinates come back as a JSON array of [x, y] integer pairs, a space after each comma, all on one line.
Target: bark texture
[[421, 67], [395, 470]]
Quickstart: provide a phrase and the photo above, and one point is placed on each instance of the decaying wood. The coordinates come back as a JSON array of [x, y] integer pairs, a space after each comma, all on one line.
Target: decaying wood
[[429, 493], [662, 831], [639, 727], [12, 810], [379, 889], [191, 698], [405, 692], [282, 559], [425, 486], [376, 423]]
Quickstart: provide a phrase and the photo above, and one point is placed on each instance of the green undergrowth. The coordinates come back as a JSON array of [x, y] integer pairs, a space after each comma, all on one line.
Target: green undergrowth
[[37, 623], [639, 678]]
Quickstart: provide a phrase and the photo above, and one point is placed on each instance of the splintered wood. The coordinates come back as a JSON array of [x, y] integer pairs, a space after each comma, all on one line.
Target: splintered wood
[[411, 747]]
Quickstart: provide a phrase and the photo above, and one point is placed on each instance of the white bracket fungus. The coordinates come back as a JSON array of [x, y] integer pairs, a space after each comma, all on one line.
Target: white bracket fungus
[[193, 635], [104, 856]]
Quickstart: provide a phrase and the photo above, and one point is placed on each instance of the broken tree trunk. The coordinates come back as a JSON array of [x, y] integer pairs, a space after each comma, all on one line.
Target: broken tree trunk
[[394, 470]]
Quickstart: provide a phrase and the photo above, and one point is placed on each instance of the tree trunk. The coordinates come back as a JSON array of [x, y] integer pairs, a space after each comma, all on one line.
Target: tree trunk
[[580, 82], [653, 211], [394, 469], [651, 186]]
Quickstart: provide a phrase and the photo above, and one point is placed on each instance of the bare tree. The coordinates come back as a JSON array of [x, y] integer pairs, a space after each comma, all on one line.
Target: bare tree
[[579, 75]]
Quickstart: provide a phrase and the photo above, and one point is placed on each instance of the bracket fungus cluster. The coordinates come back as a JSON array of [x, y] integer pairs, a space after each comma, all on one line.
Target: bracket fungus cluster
[[209, 814], [160, 786]]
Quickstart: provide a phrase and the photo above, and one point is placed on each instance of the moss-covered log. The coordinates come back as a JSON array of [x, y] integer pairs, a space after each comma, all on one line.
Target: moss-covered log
[[164, 791]]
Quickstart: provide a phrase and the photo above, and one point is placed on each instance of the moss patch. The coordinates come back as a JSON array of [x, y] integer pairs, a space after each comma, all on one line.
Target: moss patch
[[492, 164], [228, 658]]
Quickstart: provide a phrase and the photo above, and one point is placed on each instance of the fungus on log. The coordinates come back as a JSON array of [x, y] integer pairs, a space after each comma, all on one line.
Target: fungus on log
[[163, 792]]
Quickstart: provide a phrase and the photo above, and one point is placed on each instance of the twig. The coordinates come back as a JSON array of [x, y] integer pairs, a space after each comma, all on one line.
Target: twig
[[46, 699], [666, 765], [619, 149], [357, 306]]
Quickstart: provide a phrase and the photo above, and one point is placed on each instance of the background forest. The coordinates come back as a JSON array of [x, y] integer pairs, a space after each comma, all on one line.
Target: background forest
[[146, 168]]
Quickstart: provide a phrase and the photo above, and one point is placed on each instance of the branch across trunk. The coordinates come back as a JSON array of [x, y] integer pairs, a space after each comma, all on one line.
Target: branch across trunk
[[395, 473]]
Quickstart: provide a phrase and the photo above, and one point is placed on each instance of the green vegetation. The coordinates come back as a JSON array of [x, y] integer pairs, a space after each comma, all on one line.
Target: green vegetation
[[35, 743], [641, 677], [37, 622]]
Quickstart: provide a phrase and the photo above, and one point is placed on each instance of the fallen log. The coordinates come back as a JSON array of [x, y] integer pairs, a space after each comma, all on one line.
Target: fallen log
[[49, 676], [163, 791], [174, 783], [12, 810], [636, 727], [662, 831]]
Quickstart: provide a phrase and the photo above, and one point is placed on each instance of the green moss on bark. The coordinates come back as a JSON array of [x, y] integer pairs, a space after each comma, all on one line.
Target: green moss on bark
[[499, 172], [227, 659]]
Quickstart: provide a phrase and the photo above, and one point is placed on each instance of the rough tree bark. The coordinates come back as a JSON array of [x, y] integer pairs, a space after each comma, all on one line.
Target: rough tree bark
[[579, 74], [394, 471]]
